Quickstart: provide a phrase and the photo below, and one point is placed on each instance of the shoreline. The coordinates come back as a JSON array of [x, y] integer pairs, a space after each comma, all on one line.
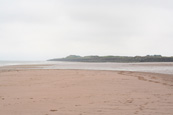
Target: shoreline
[[160, 68]]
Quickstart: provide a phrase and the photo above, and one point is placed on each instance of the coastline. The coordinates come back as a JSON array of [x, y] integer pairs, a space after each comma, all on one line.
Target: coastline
[[83, 92]]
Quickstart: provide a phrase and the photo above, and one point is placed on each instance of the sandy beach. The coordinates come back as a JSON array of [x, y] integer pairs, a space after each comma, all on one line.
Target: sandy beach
[[85, 92]]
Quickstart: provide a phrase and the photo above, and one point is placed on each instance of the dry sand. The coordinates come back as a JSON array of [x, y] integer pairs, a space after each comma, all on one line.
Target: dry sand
[[85, 92]]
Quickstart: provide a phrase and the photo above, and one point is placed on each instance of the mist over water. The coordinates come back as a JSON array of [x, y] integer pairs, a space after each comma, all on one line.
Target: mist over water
[[8, 63]]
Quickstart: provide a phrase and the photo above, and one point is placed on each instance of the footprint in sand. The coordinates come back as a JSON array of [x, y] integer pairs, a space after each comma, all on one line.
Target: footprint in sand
[[129, 101], [53, 110], [136, 112]]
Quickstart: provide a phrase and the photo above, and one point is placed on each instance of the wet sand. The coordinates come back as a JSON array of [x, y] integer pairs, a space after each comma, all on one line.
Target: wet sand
[[85, 92]]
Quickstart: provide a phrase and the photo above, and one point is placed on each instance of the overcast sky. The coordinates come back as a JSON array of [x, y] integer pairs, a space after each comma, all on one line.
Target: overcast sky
[[44, 29]]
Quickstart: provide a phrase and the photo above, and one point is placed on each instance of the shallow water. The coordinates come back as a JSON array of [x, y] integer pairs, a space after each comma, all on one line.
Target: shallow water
[[8, 63], [164, 67], [153, 67]]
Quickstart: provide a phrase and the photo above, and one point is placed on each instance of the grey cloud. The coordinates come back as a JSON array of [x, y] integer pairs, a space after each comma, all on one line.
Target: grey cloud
[[110, 27]]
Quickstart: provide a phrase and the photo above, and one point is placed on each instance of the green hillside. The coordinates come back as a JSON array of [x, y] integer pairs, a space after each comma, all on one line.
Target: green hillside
[[148, 58]]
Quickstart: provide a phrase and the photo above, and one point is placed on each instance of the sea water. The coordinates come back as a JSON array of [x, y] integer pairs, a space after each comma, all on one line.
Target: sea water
[[8, 63], [153, 67]]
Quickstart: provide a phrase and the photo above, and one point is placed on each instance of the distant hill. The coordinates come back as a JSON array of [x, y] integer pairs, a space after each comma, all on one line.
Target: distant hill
[[148, 58]]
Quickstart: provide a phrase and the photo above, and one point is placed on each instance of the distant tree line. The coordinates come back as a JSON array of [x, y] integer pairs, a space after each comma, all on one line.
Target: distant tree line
[[148, 58]]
